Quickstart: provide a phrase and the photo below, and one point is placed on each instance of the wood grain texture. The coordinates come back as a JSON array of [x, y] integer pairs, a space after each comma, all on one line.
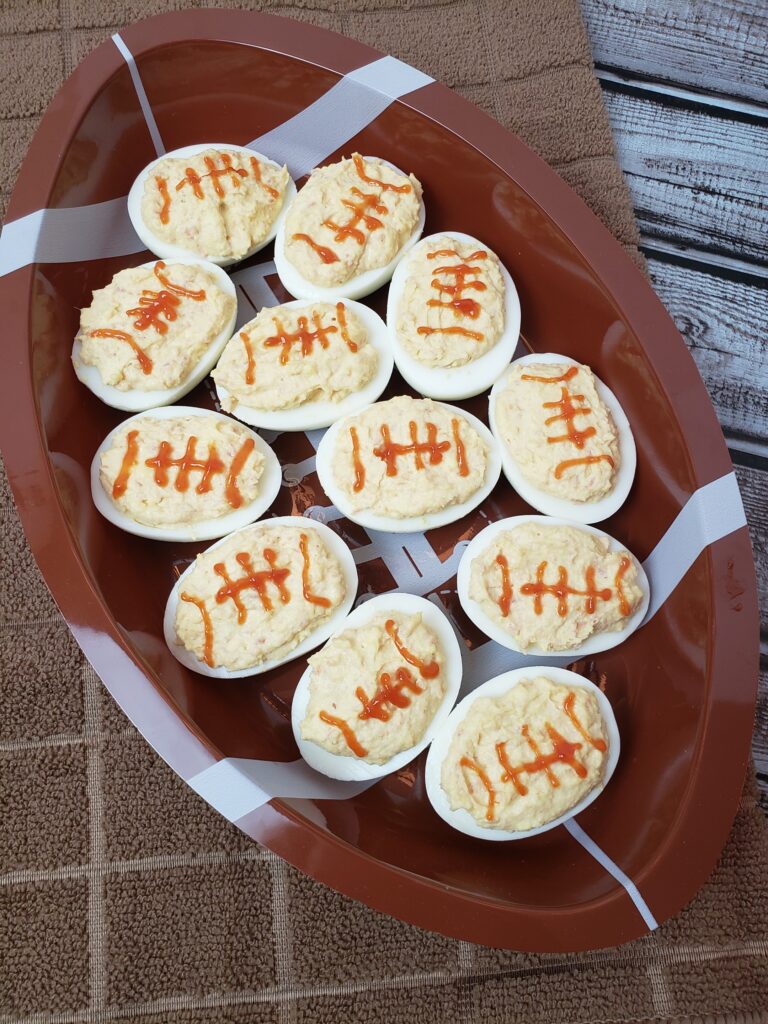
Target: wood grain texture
[[696, 179], [718, 46], [754, 492], [725, 325]]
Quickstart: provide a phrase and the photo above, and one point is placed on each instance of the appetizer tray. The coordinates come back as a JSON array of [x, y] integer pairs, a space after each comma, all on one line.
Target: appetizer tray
[[682, 687]]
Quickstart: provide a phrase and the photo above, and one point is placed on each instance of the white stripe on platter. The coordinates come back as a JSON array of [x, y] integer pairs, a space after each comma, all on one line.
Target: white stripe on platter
[[101, 230]]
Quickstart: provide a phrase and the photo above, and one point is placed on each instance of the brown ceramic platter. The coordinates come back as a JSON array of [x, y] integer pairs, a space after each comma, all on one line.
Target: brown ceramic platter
[[683, 687]]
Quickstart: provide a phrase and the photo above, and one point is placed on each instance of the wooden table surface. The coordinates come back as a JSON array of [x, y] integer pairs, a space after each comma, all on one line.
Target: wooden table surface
[[686, 87]]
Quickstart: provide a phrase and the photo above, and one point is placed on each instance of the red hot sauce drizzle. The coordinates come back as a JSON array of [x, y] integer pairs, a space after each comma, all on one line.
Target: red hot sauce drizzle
[[472, 765], [563, 752], [302, 336], [505, 598], [362, 208], [130, 458], [456, 301], [326, 255], [568, 413], [225, 171], [162, 188], [189, 461], [359, 483], [426, 669], [207, 626], [562, 590], [383, 185], [323, 602], [389, 451], [346, 731], [256, 171], [624, 606], [461, 452], [252, 580], [145, 361], [341, 315], [388, 693], [231, 490], [250, 368]]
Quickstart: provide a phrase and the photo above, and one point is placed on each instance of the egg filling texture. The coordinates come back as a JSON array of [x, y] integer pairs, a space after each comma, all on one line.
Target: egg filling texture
[[350, 217], [218, 203], [375, 689], [558, 430], [149, 327], [257, 595], [170, 472], [518, 761], [287, 357], [452, 307], [408, 457], [552, 587]]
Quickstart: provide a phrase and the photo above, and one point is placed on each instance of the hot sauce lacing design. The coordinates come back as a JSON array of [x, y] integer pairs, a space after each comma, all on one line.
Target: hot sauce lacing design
[[185, 464], [302, 340], [224, 173], [155, 310], [561, 751], [426, 450], [366, 210], [565, 411], [561, 589], [270, 585], [451, 282], [392, 691]]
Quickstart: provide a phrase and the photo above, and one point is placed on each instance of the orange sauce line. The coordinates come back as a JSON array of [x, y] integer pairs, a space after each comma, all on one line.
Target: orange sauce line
[[359, 483], [468, 762], [348, 733], [232, 491], [323, 602], [130, 458], [427, 670], [145, 361], [207, 626]]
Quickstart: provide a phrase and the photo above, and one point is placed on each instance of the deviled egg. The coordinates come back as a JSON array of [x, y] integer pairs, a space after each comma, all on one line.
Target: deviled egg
[[544, 586], [152, 334], [346, 230], [453, 316], [374, 696], [408, 464], [566, 445], [522, 754], [212, 200], [183, 474], [260, 597], [301, 366]]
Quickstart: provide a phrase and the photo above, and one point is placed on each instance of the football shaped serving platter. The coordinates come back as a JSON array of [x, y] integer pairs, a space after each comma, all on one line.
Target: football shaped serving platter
[[682, 687]]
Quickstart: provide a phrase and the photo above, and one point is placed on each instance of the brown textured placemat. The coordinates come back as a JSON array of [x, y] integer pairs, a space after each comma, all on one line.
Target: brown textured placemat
[[125, 897]]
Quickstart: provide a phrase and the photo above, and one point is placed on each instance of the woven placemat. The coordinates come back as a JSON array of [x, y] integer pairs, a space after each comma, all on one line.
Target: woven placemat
[[122, 895]]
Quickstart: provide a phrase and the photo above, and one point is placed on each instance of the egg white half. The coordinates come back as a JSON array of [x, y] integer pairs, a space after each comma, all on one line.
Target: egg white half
[[206, 529], [337, 548], [338, 766], [315, 415], [357, 286], [597, 642], [457, 382], [168, 251], [461, 819], [410, 524], [577, 511], [139, 401]]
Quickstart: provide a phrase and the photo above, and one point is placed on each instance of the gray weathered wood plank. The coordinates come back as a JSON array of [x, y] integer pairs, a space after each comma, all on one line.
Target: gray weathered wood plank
[[714, 45], [754, 492], [695, 179], [725, 325]]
